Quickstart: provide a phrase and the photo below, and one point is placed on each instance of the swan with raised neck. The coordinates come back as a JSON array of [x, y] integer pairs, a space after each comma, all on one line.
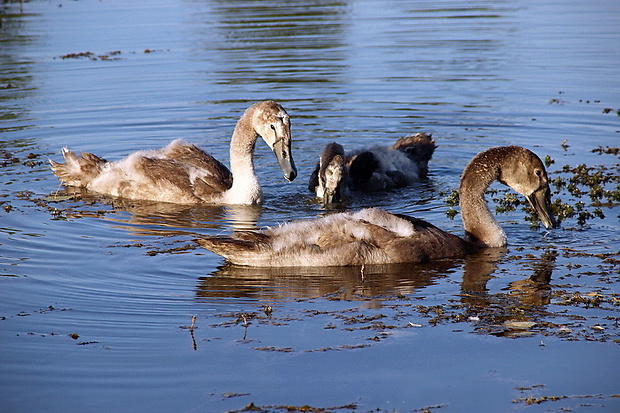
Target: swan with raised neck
[[182, 173], [374, 236]]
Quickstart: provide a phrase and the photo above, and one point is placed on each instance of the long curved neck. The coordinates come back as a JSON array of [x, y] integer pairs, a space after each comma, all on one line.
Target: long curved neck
[[480, 226], [245, 188]]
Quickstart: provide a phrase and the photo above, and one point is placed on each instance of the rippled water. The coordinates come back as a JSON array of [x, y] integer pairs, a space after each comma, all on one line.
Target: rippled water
[[96, 294]]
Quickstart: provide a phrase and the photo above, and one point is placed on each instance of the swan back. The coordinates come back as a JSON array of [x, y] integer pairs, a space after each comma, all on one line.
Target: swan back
[[369, 236], [418, 147]]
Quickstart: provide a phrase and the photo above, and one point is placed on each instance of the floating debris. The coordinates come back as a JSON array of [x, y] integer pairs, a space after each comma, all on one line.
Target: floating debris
[[273, 348], [92, 56], [251, 407], [231, 395], [113, 55], [519, 325]]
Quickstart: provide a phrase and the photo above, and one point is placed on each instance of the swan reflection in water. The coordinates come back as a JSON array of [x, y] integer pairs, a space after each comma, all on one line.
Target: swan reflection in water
[[281, 283], [349, 283], [155, 218], [509, 312], [531, 291], [515, 310]]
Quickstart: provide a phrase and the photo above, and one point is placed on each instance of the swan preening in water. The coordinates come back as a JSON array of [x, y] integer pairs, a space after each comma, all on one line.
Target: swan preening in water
[[374, 236], [184, 174], [377, 168]]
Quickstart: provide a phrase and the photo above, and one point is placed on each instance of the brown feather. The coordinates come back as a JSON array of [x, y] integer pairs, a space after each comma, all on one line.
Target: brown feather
[[220, 178], [419, 148]]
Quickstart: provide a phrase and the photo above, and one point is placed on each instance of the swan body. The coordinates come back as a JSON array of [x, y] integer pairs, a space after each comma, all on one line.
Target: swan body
[[374, 236], [184, 174], [378, 168]]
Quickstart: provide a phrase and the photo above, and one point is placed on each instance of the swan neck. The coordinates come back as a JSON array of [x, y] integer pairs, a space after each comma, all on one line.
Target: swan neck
[[480, 226], [245, 188]]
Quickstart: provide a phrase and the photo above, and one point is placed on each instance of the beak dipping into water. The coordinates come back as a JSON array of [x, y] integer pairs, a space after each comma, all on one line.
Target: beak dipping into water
[[540, 200]]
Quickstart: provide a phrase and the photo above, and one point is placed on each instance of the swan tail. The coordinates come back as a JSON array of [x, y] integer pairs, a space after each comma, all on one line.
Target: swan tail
[[419, 148], [77, 170], [243, 248]]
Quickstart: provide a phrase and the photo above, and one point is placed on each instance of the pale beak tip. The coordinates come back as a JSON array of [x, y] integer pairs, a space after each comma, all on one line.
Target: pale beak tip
[[290, 176]]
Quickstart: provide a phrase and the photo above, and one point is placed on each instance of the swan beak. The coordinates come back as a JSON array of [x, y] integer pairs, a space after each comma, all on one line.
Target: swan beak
[[282, 150], [331, 197], [540, 200]]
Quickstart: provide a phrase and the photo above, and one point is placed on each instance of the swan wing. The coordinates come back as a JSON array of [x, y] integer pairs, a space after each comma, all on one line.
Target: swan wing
[[210, 175]]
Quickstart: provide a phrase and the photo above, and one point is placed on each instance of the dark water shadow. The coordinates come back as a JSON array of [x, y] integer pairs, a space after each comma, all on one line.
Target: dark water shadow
[[17, 75]]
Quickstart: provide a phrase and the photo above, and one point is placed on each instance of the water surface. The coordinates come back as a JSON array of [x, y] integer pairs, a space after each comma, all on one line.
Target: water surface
[[96, 294]]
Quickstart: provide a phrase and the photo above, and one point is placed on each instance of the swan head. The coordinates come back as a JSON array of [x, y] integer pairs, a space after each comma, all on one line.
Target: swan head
[[525, 173], [333, 178], [273, 124], [332, 173]]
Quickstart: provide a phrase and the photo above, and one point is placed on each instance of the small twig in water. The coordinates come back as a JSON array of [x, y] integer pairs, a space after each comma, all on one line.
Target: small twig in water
[[57, 190]]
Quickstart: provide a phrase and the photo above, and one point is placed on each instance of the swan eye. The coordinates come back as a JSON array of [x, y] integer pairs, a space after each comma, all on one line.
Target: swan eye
[[272, 127]]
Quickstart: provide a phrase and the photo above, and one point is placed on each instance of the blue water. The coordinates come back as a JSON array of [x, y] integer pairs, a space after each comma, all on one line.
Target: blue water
[[96, 294]]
